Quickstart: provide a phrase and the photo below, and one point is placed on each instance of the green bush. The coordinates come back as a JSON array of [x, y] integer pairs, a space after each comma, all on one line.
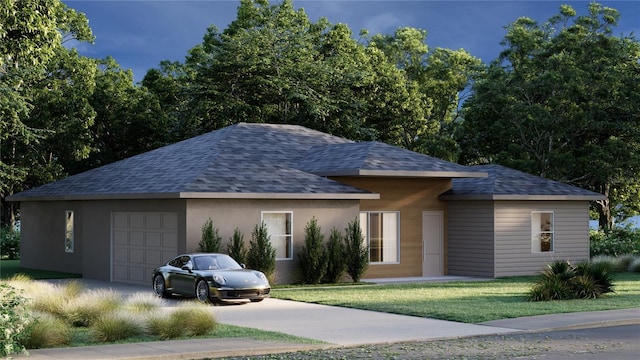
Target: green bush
[[9, 244], [261, 255], [211, 239], [313, 262], [357, 251], [563, 281], [615, 242], [14, 320], [336, 257], [235, 247]]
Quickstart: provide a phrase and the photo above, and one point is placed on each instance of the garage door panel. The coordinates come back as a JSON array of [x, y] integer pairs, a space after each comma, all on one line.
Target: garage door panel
[[141, 242]]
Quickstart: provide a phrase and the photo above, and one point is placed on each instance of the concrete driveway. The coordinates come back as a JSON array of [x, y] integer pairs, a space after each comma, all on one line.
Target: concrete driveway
[[331, 324]]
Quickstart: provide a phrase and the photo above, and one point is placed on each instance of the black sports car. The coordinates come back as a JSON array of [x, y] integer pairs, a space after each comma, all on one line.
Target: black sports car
[[209, 277]]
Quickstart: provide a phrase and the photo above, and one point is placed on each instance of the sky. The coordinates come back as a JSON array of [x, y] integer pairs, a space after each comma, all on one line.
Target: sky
[[139, 34]]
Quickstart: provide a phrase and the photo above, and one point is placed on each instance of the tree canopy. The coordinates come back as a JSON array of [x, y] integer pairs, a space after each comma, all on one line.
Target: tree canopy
[[562, 101]]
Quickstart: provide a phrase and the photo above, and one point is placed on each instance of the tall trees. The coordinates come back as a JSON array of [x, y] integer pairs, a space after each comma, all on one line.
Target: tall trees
[[562, 101], [31, 37]]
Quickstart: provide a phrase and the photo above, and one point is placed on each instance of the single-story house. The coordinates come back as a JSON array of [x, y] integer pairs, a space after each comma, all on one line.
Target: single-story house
[[421, 216]]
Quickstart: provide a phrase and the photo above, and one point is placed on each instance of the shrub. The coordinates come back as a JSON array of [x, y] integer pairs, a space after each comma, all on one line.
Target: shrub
[[211, 240], [9, 244], [611, 263], [313, 262], [357, 251], [615, 242], [261, 255], [562, 281], [47, 331], [335, 256], [236, 248], [116, 326], [14, 320], [634, 266]]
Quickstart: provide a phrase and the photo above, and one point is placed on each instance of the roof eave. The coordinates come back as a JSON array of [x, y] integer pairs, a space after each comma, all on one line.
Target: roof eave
[[403, 173], [201, 195], [476, 197]]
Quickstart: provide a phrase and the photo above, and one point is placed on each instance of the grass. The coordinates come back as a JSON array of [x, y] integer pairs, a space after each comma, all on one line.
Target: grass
[[11, 268], [467, 301]]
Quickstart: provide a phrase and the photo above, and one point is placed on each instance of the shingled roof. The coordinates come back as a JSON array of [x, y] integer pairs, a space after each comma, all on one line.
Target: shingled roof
[[508, 184], [247, 161]]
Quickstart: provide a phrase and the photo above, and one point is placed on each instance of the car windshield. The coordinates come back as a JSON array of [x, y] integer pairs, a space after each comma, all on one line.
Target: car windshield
[[216, 262]]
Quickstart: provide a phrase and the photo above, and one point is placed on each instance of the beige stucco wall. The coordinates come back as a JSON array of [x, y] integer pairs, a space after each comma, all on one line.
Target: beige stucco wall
[[42, 233], [245, 214], [410, 196]]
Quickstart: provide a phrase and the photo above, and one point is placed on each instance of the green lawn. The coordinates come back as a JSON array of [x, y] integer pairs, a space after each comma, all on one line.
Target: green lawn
[[9, 268], [468, 301]]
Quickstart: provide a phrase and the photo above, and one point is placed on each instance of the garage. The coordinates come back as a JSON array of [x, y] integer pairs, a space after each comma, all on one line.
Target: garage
[[141, 241]]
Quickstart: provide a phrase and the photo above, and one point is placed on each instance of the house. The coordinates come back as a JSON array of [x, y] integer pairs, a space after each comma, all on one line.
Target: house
[[421, 216]]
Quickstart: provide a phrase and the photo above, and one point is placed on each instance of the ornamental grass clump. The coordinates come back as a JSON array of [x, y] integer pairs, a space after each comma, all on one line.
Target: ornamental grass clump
[[47, 331], [143, 303], [563, 281], [188, 319], [117, 325], [87, 308]]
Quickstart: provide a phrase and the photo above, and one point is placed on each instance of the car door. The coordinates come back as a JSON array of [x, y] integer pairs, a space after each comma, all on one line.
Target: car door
[[182, 280]]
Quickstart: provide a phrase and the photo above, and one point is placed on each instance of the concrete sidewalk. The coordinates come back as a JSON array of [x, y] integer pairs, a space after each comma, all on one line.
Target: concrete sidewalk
[[335, 326]]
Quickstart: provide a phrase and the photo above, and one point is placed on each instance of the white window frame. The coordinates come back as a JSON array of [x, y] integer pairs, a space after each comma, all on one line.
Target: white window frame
[[537, 232], [276, 238], [365, 225], [69, 231]]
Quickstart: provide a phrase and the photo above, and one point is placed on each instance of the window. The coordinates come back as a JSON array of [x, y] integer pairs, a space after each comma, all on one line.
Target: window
[[279, 231], [68, 232], [542, 231], [381, 231]]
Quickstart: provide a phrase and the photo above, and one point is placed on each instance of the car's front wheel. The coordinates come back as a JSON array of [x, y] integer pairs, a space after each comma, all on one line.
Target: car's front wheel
[[159, 286], [202, 291]]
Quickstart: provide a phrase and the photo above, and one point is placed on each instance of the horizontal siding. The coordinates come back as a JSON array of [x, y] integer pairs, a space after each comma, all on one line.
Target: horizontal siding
[[513, 235], [470, 238]]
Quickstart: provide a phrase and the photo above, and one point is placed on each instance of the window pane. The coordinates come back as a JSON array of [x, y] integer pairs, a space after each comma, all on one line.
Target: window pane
[[279, 231], [542, 231], [68, 236], [380, 229]]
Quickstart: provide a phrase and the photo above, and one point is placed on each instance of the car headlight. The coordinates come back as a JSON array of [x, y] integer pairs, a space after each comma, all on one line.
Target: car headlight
[[219, 279], [260, 275]]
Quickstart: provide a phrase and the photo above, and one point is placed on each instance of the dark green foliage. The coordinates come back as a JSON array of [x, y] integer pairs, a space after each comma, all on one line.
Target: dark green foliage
[[312, 257], [211, 239], [236, 248], [563, 281], [14, 319], [336, 257], [9, 244], [615, 242], [261, 255], [357, 251]]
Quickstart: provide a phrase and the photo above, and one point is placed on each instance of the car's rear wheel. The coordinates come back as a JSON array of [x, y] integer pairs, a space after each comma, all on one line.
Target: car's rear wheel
[[159, 286], [202, 291]]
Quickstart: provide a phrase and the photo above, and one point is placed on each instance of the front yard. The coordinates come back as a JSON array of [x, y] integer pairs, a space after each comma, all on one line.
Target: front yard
[[467, 301]]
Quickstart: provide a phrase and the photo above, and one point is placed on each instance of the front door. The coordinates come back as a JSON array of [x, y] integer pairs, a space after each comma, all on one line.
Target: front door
[[432, 243]]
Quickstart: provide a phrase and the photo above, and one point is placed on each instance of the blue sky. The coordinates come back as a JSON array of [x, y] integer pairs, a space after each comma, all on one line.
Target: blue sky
[[139, 34]]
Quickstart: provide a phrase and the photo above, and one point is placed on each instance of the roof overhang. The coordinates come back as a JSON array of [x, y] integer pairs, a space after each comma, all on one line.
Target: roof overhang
[[404, 173], [202, 195], [478, 197]]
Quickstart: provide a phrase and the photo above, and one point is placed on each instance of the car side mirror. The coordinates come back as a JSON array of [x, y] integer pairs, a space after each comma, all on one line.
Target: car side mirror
[[186, 268], [243, 266]]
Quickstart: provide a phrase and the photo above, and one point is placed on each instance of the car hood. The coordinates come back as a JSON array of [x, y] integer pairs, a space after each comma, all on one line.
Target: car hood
[[239, 278]]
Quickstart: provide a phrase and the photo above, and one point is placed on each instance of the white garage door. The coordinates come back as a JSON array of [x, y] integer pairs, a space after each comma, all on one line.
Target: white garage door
[[141, 241]]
